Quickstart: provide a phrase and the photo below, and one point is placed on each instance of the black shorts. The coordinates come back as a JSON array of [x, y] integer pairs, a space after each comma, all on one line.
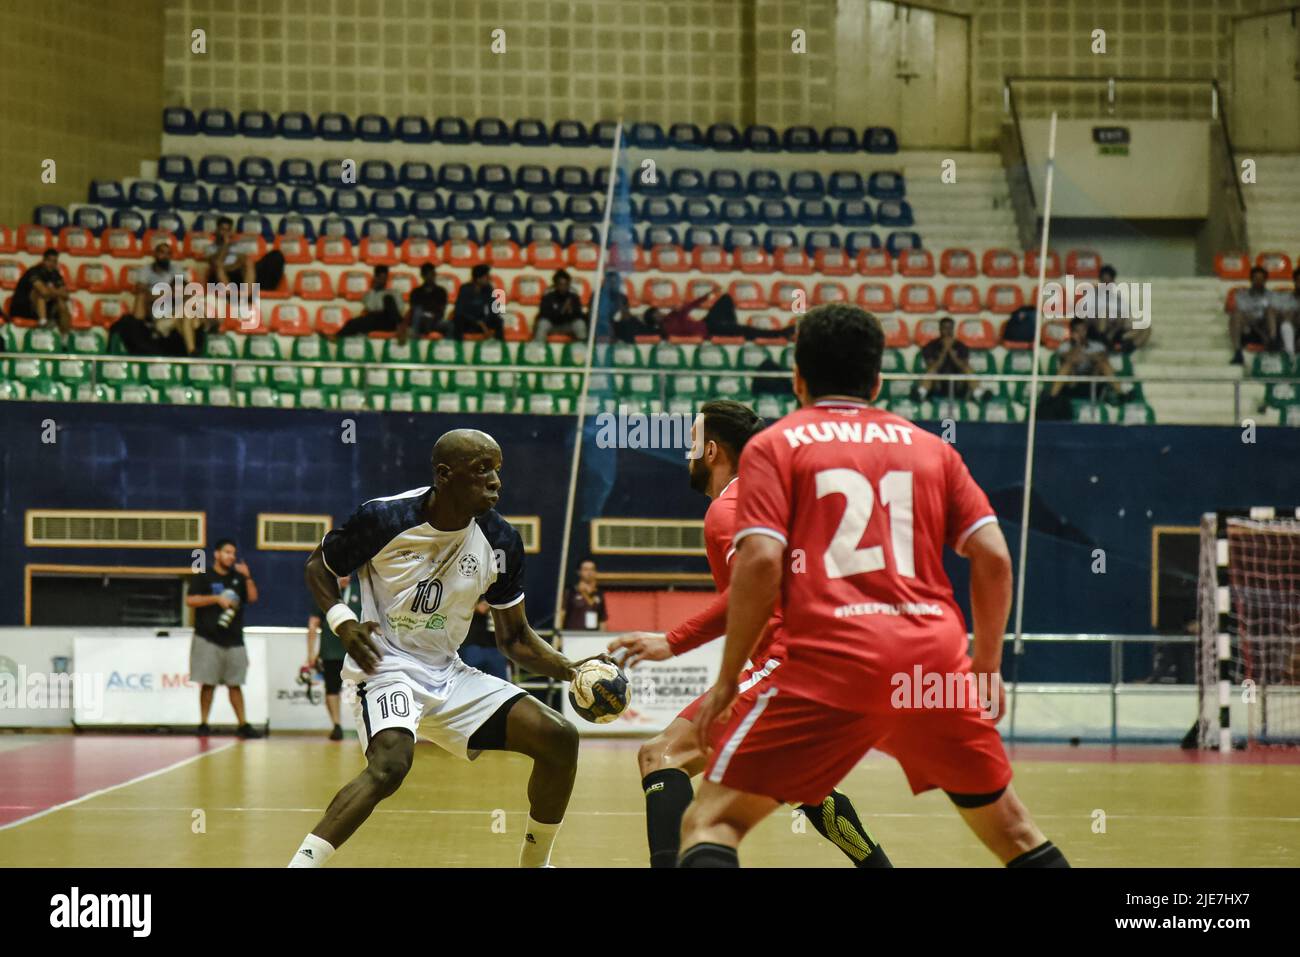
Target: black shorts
[[332, 670]]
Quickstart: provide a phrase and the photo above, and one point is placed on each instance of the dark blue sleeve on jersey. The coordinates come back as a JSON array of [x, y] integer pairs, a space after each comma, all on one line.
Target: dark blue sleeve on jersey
[[370, 528], [505, 541]]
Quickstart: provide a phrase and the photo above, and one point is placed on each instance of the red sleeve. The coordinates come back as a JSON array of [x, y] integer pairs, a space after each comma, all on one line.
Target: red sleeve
[[700, 628], [764, 489], [968, 506]]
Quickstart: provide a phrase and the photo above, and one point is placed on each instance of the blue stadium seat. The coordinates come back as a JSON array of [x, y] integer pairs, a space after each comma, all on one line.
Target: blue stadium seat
[[647, 136], [146, 194], [894, 212], [309, 201], [540, 233], [583, 209], [256, 171], [457, 177], [377, 174], [840, 139], [175, 169], [688, 182], [179, 121], [761, 139], [295, 125], [216, 122], [723, 136], [374, 128], [700, 211], [297, 172], [815, 213], [465, 206], [50, 216], [331, 175], [542, 208], [886, 185], [495, 178], [600, 180], [764, 184], [417, 176], [450, 129], [388, 203], [775, 239], [738, 212], [414, 129], [334, 126], [130, 219], [642, 184], [776, 212], [503, 206], [256, 123], [817, 239], [379, 228], [191, 197], [255, 224], [602, 133], [295, 224], [654, 236], [456, 231], [806, 184], [845, 184], [206, 222], [495, 232], [532, 178], [491, 131], [879, 139], [685, 136], [659, 211], [418, 229], [529, 133], [700, 236], [428, 205], [854, 213], [338, 226], [726, 183], [739, 238], [107, 192], [897, 241], [581, 233], [90, 217], [856, 240], [168, 221], [346, 201], [800, 139], [570, 133], [573, 180], [230, 199], [216, 169], [624, 208]]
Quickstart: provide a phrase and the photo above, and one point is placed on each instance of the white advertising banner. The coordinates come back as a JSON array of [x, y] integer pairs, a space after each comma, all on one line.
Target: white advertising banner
[[660, 689], [146, 681], [292, 706]]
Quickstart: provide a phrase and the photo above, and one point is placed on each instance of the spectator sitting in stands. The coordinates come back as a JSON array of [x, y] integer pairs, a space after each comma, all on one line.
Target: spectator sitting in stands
[[678, 322], [42, 295], [225, 262], [629, 328], [723, 323], [1252, 321], [1286, 313], [476, 312], [1019, 327], [945, 355], [180, 336], [381, 311], [560, 310], [1081, 356], [428, 308], [1115, 331]]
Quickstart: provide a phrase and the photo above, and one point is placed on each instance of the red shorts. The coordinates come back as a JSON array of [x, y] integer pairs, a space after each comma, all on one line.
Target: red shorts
[[797, 750], [752, 682]]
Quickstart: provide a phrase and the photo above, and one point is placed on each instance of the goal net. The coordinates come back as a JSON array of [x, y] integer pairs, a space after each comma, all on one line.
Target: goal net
[[1248, 666]]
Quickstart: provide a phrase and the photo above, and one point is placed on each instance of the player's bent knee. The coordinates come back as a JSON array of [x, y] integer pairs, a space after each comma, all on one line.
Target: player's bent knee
[[653, 755], [561, 742]]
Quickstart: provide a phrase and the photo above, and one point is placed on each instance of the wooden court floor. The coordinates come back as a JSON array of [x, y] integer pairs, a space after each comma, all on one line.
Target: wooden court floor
[[144, 802]]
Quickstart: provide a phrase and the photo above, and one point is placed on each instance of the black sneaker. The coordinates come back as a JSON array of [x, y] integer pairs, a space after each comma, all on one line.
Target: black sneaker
[[247, 732], [1236, 358], [203, 731], [337, 733]]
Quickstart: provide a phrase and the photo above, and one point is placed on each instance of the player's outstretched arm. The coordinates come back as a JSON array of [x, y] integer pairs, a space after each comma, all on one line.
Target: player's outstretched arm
[[990, 599], [518, 642]]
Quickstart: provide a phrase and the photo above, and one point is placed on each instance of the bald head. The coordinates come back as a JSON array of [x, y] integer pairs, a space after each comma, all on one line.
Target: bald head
[[466, 474], [462, 445]]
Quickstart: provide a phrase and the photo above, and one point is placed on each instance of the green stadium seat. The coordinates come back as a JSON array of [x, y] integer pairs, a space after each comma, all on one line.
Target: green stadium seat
[[72, 372], [380, 378], [286, 377], [730, 387], [42, 340], [490, 352], [1271, 365], [945, 408], [1136, 413], [181, 394], [640, 385], [397, 401], [117, 373], [540, 403], [310, 349], [1281, 394], [769, 407], [1017, 362], [448, 402], [207, 374], [668, 355], [221, 395], [559, 384], [409, 352], [258, 397], [1289, 415], [95, 392], [1085, 411], [12, 390], [464, 380], [1000, 409], [355, 349], [313, 398], [220, 345], [624, 355], [688, 386], [47, 390], [534, 354], [494, 402], [261, 347], [682, 405], [352, 400], [160, 374], [246, 377], [90, 342], [574, 354], [906, 408], [787, 358], [444, 352], [29, 370], [336, 378], [137, 392], [710, 356]]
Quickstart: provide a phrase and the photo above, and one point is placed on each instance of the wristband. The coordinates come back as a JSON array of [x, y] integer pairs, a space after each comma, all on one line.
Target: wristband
[[337, 615]]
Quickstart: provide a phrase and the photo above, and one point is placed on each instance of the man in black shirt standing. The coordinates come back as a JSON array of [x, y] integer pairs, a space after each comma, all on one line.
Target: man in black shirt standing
[[42, 295], [217, 652], [560, 310]]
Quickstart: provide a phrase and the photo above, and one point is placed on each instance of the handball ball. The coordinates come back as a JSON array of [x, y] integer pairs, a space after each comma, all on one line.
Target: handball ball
[[599, 691]]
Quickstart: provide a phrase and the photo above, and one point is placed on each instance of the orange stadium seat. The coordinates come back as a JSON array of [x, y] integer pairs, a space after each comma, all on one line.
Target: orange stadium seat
[[1230, 301], [105, 312], [1232, 266], [875, 262], [331, 317], [700, 287], [1003, 298], [977, 333], [792, 261], [1055, 331], [335, 251], [460, 253], [875, 297], [418, 250], [450, 284], [503, 254], [34, 239], [96, 277], [295, 250], [133, 273], [1083, 263], [961, 298], [669, 258], [752, 260], [1000, 264], [291, 319], [152, 237], [7, 241], [120, 243], [1277, 264], [917, 297], [281, 291], [544, 255], [77, 241], [958, 264], [195, 245], [77, 314], [710, 259], [828, 290], [747, 294], [515, 327], [789, 295], [256, 240], [11, 270], [580, 285], [313, 284], [916, 263], [402, 282], [926, 330], [527, 290], [378, 252], [895, 330], [1053, 264], [833, 261], [584, 256], [660, 293]]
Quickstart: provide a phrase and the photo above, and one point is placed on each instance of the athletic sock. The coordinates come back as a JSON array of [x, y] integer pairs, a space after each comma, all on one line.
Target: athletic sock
[[709, 855], [538, 840], [1046, 854], [668, 793], [837, 820], [313, 852]]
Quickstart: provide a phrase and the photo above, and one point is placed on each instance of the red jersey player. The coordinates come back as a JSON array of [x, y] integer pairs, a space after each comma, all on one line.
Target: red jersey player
[[843, 514], [669, 760]]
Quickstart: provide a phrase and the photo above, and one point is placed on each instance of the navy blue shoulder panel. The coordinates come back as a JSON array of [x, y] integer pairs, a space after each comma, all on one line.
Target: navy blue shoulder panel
[[508, 559], [371, 527]]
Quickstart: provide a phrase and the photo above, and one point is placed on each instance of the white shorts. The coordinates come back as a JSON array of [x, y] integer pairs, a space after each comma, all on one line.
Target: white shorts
[[446, 709]]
